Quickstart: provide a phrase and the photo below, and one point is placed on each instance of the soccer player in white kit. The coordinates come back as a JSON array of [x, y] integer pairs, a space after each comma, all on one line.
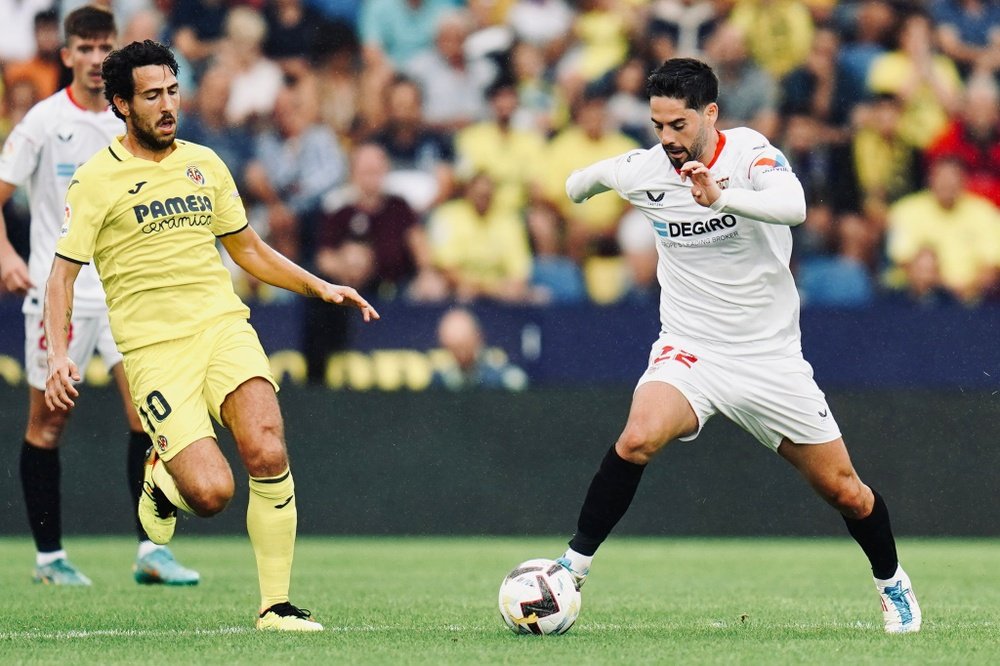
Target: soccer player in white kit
[[721, 205], [42, 152]]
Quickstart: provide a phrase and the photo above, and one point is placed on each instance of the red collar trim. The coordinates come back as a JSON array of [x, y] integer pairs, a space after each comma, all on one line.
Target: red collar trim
[[69, 93], [718, 148]]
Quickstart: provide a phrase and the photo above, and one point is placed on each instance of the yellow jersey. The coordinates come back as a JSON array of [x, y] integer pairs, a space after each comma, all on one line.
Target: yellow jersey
[[150, 228]]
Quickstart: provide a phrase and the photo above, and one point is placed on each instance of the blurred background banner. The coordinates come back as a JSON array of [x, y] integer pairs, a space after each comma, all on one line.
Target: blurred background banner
[[518, 463], [563, 346]]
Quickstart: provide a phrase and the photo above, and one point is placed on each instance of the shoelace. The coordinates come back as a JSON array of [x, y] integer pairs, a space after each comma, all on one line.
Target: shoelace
[[286, 609], [897, 595]]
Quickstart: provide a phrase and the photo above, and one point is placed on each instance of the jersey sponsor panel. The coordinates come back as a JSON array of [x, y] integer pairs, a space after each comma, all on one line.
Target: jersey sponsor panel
[[724, 278], [150, 228]]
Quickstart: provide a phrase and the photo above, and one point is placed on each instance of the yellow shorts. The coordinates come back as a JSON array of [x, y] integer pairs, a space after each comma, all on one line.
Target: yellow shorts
[[176, 385]]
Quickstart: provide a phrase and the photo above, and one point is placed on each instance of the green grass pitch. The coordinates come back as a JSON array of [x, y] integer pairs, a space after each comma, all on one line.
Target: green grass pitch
[[433, 601]]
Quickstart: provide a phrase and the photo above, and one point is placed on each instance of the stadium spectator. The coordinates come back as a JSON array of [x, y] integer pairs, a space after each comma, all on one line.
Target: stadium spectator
[[44, 69], [591, 226], [473, 365], [748, 95], [336, 64], [968, 32], [508, 155], [974, 138], [601, 29], [962, 229], [842, 279], [628, 109], [687, 23], [537, 97], [372, 241], [197, 28], [922, 285], [293, 30], [868, 37], [821, 163], [639, 259], [297, 162], [483, 251], [184, 335], [815, 88], [256, 79], [927, 82], [421, 157], [394, 31], [206, 123], [62, 131], [18, 21], [546, 24], [777, 32], [886, 166], [555, 278], [452, 85]]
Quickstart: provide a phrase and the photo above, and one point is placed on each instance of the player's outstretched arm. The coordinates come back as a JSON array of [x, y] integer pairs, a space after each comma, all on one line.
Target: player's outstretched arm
[[59, 389], [589, 181], [268, 265], [776, 198], [13, 271]]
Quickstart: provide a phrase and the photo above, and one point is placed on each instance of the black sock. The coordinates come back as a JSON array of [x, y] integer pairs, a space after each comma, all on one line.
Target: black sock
[[138, 444], [608, 498], [874, 535], [40, 480]]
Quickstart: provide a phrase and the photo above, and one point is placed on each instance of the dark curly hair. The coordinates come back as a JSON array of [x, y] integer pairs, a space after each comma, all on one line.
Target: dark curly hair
[[684, 78], [119, 65]]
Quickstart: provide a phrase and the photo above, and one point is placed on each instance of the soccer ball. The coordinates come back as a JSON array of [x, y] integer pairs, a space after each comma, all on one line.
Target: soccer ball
[[539, 597]]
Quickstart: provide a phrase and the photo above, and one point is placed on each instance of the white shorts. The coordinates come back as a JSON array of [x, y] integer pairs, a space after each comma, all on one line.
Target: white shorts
[[87, 334], [771, 397]]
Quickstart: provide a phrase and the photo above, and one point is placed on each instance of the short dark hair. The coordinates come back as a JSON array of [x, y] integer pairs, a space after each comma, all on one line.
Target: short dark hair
[[89, 22], [119, 65], [684, 78]]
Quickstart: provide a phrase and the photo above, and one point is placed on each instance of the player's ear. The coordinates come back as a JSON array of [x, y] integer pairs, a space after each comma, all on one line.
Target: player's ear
[[121, 105], [711, 112], [64, 55]]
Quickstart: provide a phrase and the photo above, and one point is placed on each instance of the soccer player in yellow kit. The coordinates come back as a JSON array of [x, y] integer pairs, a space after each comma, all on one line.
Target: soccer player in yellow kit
[[148, 210]]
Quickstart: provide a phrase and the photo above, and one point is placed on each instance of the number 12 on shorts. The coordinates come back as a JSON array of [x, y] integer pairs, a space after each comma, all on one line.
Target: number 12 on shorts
[[672, 353]]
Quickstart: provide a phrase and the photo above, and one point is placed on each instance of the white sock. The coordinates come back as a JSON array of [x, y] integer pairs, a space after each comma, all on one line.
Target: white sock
[[42, 559], [896, 576], [577, 562], [146, 547]]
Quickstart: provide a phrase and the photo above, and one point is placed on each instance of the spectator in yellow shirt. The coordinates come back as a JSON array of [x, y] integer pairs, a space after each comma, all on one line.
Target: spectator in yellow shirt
[[962, 229], [591, 226], [481, 249], [927, 82], [779, 32], [510, 156]]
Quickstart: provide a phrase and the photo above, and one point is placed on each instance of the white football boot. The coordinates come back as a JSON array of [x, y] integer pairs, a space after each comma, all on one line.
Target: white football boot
[[900, 610]]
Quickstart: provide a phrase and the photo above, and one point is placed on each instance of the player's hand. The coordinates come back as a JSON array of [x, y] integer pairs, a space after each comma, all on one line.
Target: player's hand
[[14, 273], [704, 189], [349, 296], [59, 389]]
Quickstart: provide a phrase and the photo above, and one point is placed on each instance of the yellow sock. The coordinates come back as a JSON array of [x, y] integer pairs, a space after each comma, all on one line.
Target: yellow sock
[[271, 522], [165, 482]]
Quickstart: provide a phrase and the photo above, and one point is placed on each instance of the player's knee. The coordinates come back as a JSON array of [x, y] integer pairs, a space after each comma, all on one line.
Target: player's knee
[[267, 458], [45, 433], [211, 498], [638, 444], [847, 495]]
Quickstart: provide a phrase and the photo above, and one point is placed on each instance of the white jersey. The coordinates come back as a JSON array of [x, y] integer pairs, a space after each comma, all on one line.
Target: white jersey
[[723, 271], [44, 150]]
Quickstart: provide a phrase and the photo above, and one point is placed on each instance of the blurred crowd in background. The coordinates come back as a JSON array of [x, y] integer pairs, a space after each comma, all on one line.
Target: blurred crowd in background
[[418, 149]]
